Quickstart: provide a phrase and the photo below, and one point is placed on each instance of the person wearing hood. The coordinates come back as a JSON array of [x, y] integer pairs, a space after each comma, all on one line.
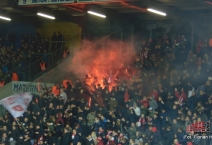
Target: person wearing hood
[[12, 141], [153, 103], [131, 130], [138, 126]]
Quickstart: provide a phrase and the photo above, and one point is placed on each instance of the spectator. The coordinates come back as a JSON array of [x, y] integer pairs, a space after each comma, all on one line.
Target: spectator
[[14, 76], [155, 110]]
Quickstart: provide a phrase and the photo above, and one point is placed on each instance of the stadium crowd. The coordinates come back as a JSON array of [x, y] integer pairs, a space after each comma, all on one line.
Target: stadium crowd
[[169, 90], [18, 53]]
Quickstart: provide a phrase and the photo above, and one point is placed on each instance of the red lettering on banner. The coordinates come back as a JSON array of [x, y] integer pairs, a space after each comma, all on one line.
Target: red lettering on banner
[[11, 100], [18, 108]]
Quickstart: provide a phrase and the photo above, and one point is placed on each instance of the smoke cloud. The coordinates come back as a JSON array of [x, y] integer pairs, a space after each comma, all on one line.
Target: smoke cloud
[[100, 59]]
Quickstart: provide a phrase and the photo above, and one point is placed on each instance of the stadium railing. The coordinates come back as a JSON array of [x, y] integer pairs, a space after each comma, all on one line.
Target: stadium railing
[[53, 73]]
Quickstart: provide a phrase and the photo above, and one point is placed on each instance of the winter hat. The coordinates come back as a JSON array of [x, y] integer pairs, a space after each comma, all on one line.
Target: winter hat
[[154, 129], [11, 139]]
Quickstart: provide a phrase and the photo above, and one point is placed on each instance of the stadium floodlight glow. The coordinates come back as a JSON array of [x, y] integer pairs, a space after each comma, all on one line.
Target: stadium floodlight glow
[[46, 16], [97, 14], [156, 12], [5, 18]]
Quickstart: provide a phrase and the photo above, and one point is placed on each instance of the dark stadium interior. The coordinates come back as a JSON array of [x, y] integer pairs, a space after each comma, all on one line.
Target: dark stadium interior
[[105, 72]]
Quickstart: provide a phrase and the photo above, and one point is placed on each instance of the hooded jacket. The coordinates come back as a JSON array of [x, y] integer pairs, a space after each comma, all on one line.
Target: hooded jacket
[[153, 103]]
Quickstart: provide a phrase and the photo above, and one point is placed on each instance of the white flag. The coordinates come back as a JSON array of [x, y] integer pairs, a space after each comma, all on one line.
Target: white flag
[[17, 104]]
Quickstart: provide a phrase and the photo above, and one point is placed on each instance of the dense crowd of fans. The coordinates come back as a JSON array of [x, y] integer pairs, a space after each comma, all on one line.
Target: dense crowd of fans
[[16, 55], [169, 90]]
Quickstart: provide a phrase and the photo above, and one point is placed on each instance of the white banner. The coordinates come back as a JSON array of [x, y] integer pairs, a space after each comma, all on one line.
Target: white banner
[[17, 104], [34, 88]]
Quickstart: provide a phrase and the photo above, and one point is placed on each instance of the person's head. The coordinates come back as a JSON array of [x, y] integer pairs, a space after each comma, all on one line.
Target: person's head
[[110, 137], [37, 126], [65, 130], [174, 107], [14, 123], [100, 129], [199, 119], [144, 97], [137, 133], [106, 91], [176, 141], [180, 130], [134, 105], [189, 113], [14, 127], [25, 119], [4, 135], [163, 110], [61, 90], [81, 91], [179, 111], [168, 128], [4, 128], [187, 118], [132, 141], [142, 115], [50, 105], [74, 131], [102, 117], [174, 121], [26, 136]]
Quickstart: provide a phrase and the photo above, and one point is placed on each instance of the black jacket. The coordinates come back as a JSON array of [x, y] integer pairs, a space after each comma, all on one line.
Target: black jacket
[[6, 141], [66, 138]]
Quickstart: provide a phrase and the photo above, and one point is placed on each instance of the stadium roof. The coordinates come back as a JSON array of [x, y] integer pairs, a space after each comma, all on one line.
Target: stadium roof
[[131, 10]]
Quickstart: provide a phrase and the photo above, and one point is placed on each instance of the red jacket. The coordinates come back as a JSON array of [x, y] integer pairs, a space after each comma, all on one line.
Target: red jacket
[[145, 103], [111, 142], [142, 121], [155, 94], [178, 95], [100, 142], [100, 101]]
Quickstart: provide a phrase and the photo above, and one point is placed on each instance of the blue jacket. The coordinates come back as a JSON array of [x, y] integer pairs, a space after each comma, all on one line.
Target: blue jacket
[[181, 137]]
